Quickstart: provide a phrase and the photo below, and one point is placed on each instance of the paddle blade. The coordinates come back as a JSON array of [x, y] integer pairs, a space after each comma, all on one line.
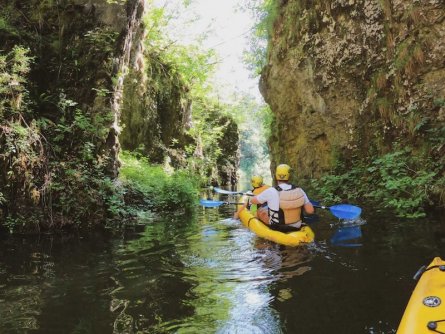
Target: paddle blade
[[345, 211], [210, 204]]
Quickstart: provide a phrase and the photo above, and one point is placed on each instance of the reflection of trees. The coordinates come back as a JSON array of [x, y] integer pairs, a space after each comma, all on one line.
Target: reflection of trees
[[19, 308], [151, 279], [23, 265], [51, 286], [284, 261], [203, 275]]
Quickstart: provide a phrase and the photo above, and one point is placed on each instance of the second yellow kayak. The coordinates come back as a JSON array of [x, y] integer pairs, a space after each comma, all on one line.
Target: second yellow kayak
[[425, 312]]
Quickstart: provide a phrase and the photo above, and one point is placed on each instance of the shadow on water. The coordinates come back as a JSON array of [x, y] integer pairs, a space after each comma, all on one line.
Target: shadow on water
[[209, 274]]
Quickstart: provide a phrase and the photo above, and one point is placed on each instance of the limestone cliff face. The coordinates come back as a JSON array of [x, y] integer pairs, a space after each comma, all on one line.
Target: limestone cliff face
[[348, 78], [156, 110], [228, 162], [156, 114]]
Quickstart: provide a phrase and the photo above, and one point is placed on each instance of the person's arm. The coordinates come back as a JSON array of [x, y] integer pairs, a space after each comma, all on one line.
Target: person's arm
[[236, 214], [308, 207]]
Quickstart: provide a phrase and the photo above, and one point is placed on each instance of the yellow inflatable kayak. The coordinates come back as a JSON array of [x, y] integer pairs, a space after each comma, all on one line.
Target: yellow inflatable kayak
[[305, 235], [425, 312]]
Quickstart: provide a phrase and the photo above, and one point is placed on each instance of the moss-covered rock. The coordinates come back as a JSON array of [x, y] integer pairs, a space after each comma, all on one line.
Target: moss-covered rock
[[75, 83], [156, 111], [70, 106], [348, 79]]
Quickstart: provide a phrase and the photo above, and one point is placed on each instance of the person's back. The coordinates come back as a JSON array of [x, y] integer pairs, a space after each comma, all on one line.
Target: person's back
[[285, 202], [293, 199]]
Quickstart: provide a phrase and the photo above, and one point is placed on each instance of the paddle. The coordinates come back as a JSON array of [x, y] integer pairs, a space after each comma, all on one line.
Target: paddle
[[214, 204], [227, 192], [343, 211]]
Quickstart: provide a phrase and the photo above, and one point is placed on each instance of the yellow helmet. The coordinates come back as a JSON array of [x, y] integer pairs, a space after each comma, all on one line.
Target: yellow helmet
[[282, 172], [256, 181]]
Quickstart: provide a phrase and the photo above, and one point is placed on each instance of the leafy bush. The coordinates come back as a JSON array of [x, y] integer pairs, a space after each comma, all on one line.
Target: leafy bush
[[51, 175], [393, 181], [175, 191]]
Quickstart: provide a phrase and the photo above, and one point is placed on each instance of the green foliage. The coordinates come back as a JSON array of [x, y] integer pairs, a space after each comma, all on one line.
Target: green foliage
[[12, 224], [21, 150], [14, 68], [264, 12], [6, 26], [439, 102], [54, 154], [401, 187], [176, 191], [205, 151], [191, 62], [155, 21], [194, 65], [394, 181], [47, 165], [191, 66], [116, 2], [101, 40], [85, 195], [254, 121]]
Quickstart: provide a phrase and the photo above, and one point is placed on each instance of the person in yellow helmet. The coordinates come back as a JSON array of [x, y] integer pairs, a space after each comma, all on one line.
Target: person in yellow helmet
[[285, 201], [258, 187]]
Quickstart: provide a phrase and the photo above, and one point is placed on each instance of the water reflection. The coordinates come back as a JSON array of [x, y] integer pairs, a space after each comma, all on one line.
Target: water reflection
[[347, 236], [36, 282], [229, 282], [209, 274]]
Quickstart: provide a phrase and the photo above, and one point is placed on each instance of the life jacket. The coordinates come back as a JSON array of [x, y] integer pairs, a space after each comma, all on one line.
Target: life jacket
[[259, 190], [275, 218], [256, 191], [291, 202]]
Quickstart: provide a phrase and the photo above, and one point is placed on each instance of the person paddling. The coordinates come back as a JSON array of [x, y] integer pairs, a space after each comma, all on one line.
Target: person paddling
[[285, 201], [258, 187]]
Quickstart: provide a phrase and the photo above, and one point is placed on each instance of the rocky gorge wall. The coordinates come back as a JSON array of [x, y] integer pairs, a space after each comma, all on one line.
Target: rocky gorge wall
[[60, 125], [156, 111], [349, 79], [157, 114], [76, 83]]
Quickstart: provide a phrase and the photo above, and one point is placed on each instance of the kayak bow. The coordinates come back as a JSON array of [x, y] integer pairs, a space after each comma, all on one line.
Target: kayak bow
[[425, 312]]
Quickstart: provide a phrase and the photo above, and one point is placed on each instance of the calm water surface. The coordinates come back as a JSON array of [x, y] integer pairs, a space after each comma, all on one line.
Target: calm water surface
[[208, 274]]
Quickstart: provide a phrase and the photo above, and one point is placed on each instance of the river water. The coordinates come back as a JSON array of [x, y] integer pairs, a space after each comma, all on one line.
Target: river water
[[209, 274]]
